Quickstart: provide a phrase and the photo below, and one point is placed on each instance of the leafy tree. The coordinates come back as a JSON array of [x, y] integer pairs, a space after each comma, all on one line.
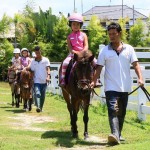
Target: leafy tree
[[136, 36], [147, 38], [6, 51], [4, 24], [97, 34], [44, 23], [24, 30], [122, 22], [59, 49]]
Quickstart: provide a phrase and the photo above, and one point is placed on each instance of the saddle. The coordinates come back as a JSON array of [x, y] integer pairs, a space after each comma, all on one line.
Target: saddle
[[68, 70]]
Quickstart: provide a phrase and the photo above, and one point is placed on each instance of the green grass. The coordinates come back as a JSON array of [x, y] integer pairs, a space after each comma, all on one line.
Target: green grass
[[56, 133]]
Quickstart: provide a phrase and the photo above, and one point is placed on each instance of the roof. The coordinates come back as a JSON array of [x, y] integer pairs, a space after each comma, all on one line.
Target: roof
[[113, 12]]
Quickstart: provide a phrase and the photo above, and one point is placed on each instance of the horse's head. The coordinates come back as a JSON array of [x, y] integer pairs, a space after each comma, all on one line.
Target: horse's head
[[11, 75], [25, 79], [83, 70]]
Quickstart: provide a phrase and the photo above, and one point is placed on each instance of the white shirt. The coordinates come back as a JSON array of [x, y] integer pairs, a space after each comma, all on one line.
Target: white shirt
[[39, 68], [117, 68]]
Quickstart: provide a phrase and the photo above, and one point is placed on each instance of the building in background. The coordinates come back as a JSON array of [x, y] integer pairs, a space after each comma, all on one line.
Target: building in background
[[113, 13]]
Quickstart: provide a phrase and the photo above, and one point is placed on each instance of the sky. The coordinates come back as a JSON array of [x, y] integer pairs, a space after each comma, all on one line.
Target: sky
[[10, 7]]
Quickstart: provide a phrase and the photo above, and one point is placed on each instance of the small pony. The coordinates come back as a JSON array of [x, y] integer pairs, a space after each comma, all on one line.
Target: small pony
[[15, 87], [77, 92], [25, 89]]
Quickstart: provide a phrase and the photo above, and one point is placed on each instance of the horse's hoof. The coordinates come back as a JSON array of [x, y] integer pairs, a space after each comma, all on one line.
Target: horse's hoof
[[86, 136]]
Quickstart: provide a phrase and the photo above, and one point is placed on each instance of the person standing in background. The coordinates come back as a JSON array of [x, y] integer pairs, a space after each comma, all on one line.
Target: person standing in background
[[40, 66]]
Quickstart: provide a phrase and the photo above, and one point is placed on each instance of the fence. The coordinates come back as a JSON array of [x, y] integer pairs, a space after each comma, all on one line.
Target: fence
[[137, 101]]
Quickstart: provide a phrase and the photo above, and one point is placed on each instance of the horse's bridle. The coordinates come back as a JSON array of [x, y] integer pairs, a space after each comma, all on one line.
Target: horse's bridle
[[83, 81], [87, 82]]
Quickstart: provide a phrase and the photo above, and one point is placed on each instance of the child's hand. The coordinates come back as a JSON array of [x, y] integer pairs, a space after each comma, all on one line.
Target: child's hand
[[73, 51]]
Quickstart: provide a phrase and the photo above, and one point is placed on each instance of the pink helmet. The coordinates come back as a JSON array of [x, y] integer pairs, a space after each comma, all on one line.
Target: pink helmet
[[75, 17]]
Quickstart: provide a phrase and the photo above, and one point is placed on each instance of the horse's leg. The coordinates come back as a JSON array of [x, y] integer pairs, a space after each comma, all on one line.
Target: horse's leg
[[16, 100], [30, 104], [25, 104], [69, 105], [74, 118], [17, 95], [86, 119], [20, 96], [12, 93], [13, 103]]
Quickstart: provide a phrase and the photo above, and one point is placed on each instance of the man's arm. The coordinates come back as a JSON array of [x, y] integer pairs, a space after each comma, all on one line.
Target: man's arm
[[48, 73], [138, 71]]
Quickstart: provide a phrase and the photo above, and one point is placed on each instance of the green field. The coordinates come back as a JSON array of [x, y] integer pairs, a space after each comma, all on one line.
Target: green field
[[50, 130]]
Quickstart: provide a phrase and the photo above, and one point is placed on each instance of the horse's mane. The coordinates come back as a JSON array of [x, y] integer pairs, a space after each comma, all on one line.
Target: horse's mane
[[25, 75]]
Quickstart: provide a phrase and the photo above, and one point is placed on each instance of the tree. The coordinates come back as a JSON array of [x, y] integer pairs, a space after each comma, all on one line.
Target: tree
[[24, 30], [44, 23], [147, 38], [122, 22], [97, 34], [61, 30], [4, 24], [136, 35], [6, 49]]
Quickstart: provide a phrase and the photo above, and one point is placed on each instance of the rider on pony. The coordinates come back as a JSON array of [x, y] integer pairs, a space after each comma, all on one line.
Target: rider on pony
[[16, 62], [77, 41], [25, 59]]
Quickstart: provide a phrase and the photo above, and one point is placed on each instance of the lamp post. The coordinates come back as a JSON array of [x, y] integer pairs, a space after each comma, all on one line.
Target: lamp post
[[82, 6], [15, 21], [122, 8], [74, 5]]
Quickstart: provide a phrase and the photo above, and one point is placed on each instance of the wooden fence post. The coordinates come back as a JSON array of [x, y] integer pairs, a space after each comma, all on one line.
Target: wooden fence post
[[141, 101]]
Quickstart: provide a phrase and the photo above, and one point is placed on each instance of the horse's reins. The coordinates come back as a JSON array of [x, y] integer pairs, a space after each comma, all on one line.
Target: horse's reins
[[142, 87], [146, 92]]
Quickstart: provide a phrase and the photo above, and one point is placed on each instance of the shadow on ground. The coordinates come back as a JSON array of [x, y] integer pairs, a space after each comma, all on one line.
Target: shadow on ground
[[16, 110], [64, 139]]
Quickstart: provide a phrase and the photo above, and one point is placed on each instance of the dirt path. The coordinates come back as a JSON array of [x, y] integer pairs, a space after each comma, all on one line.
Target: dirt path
[[25, 121]]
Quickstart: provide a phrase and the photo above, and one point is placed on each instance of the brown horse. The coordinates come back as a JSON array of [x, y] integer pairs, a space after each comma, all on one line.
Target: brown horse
[[25, 89], [77, 92], [15, 87]]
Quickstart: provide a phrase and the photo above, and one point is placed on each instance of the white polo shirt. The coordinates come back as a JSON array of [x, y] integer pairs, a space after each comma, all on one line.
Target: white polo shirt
[[117, 67], [39, 68]]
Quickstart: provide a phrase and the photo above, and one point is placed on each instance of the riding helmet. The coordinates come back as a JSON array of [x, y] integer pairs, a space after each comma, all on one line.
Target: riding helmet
[[16, 51], [75, 17]]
